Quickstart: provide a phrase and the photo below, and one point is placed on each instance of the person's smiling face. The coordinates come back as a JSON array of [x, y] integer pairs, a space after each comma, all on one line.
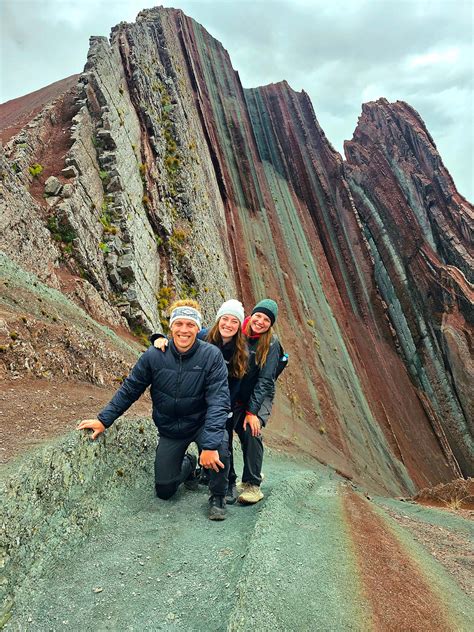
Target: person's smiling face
[[259, 323], [228, 326], [184, 332]]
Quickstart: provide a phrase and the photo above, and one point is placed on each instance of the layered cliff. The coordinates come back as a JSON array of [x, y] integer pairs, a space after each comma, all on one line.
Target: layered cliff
[[171, 179], [420, 232]]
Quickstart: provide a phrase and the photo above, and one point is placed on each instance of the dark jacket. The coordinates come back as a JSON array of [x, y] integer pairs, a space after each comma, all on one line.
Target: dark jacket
[[227, 351], [188, 390], [258, 384]]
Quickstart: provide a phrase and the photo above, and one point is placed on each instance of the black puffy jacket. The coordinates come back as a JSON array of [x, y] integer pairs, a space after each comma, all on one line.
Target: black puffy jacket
[[258, 384], [188, 390]]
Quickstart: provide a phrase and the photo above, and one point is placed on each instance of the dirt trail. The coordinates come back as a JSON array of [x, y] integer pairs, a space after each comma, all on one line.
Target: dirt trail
[[291, 562]]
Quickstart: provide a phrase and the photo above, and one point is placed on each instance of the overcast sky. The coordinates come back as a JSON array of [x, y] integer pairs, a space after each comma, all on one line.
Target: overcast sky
[[342, 52]]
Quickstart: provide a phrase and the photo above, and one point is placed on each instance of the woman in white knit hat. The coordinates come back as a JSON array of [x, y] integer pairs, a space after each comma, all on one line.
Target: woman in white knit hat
[[226, 333]]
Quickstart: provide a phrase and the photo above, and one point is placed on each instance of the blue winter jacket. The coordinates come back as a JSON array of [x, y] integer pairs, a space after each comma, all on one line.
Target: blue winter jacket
[[188, 390]]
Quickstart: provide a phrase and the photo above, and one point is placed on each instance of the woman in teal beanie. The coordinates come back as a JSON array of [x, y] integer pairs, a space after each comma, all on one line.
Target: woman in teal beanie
[[255, 398]]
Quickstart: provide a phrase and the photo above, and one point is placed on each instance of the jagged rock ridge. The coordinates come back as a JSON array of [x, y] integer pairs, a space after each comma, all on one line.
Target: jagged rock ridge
[[175, 178]]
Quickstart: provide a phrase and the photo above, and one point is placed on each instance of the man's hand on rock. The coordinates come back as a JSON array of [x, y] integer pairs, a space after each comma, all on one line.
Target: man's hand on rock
[[209, 459], [94, 424]]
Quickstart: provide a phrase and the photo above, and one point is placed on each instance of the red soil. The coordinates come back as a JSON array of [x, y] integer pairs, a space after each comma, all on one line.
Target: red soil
[[15, 114], [400, 596], [34, 410]]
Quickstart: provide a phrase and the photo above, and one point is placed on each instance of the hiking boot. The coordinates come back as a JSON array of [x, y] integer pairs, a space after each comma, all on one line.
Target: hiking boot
[[191, 482], [251, 495], [232, 494], [241, 487], [217, 508]]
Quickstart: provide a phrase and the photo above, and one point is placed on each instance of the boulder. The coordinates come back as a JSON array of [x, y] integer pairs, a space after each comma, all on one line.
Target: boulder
[[52, 186]]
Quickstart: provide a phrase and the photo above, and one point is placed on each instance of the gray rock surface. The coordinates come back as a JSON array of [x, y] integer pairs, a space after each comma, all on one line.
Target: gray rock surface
[[142, 202], [52, 186]]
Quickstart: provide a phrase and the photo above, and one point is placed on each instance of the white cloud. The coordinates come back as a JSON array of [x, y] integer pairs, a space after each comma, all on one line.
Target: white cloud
[[434, 57]]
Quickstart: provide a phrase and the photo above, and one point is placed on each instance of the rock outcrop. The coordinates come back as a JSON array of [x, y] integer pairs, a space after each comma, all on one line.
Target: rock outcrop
[[420, 232], [174, 180]]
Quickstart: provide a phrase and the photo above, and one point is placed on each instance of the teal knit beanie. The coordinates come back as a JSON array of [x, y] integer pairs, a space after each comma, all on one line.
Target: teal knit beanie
[[267, 307]]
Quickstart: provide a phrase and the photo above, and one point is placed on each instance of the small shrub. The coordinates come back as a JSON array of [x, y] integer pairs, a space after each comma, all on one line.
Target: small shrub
[[14, 335], [310, 323], [188, 291], [36, 169], [163, 297], [61, 230], [179, 235], [104, 247], [172, 163], [104, 176], [106, 221]]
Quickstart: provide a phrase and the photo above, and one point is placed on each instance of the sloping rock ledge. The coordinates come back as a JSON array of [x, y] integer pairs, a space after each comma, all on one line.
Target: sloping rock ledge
[[55, 495]]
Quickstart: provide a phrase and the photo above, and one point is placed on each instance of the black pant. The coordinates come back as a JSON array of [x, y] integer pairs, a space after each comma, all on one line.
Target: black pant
[[172, 466], [252, 450], [206, 474]]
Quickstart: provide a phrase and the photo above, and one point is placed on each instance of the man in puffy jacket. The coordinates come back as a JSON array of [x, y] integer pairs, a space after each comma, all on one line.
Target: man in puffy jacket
[[190, 396]]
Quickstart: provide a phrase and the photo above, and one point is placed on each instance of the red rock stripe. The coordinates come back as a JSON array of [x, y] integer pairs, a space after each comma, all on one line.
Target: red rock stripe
[[396, 589]]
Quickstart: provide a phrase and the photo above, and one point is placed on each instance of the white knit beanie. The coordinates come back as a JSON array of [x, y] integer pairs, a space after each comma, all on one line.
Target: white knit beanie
[[231, 308]]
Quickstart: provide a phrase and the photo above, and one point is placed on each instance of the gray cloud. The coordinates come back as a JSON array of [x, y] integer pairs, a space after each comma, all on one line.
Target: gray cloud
[[342, 53]]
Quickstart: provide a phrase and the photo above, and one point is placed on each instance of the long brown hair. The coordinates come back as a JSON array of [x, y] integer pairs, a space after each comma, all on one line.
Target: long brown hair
[[238, 362], [263, 344]]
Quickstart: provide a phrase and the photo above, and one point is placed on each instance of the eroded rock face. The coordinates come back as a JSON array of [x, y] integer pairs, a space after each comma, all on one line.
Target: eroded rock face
[[23, 234], [154, 208], [420, 234]]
